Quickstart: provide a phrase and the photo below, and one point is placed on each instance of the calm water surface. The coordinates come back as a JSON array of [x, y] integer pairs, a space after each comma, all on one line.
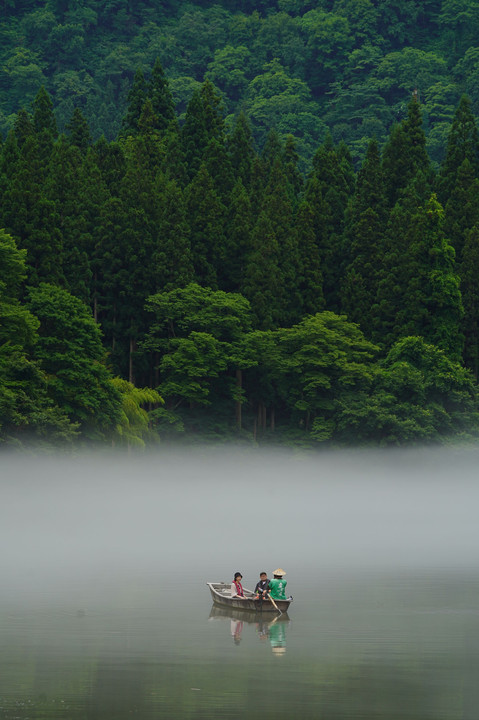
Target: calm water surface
[[104, 611]]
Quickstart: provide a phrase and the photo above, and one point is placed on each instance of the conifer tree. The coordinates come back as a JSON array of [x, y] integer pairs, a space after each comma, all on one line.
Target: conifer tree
[[365, 236], [9, 157], [44, 123], [174, 164], [172, 256], [262, 284], [194, 135], [292, 174], [327, 192], [272, 151], [62, 187], [310, 276], [462, 144], [206, 216], [110, 159], [213, 111], [32, 218], [219, 168], [238, 238], [158, 92], [203, 122], [78, 131], [469, 274], [135, 101], [43, 117], [23, 126], [277, 206], [257, 185], [462, 209], [404, 154], [240, 148], [419, 294]]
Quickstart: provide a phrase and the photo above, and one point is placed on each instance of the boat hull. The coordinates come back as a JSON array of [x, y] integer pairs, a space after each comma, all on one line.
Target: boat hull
[[221, 595]]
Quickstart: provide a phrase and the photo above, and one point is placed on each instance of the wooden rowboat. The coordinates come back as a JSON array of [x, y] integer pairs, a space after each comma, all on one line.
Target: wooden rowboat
[[221, 594]]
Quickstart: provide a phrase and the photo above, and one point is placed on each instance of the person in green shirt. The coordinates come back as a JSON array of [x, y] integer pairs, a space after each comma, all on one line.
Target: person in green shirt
[[277, 585]]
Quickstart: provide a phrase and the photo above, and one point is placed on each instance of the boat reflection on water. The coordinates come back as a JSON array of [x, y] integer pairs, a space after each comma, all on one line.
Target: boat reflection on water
[[267, 628]]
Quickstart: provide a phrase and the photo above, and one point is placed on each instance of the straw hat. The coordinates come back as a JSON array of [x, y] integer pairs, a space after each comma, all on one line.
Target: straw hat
[[279, 572], [278, 650]]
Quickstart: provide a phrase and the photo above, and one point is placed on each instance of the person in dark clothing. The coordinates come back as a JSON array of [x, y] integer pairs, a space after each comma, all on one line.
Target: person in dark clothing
[[261, 588]]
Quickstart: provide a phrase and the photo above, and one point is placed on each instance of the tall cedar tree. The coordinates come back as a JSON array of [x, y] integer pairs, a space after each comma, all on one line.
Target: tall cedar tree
[[462, 144], [93, 194], [206, 216], [172, 257], [44, 123], [203, 122], [277, 207], [136, 100], [420, 293], [404, 154], [240, 148], [238, 234], [327, 191], [262, 284], [62, 188], [290, 163], [31, 217], [219, 168], [159, 93], [469, 274], [78, 131], [310, 276], [462, 209], [365, 236]]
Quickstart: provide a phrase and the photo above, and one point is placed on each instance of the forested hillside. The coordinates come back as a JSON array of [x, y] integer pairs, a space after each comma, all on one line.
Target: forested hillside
[[297, 66], [210, 268]]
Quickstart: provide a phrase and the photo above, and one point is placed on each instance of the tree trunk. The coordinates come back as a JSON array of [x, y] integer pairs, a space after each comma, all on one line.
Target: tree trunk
[[131, 376], [157, 369]]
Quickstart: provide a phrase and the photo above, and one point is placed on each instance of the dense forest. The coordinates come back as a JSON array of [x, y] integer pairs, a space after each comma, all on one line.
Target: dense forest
[[297, 66], [222, 222]]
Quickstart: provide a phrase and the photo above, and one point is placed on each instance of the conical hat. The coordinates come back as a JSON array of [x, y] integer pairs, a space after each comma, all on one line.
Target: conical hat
[[279, 572]]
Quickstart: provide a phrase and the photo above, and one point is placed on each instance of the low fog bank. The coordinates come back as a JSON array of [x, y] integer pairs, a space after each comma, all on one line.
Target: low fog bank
[[205, 513]]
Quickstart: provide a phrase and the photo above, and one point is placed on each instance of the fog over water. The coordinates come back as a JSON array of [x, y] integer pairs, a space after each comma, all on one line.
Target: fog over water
[[104, 611], [209, 512]]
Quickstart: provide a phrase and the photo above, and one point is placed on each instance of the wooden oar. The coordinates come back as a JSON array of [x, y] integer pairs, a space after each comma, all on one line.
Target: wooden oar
[[274, 605]]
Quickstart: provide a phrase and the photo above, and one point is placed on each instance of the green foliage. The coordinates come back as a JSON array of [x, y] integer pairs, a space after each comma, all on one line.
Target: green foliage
[[70, 352], [184, 196], [196, 331], [26, 411], [134, 426]]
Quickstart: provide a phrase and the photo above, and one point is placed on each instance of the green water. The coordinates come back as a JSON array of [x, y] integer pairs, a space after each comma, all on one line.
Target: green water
[[375, 645]]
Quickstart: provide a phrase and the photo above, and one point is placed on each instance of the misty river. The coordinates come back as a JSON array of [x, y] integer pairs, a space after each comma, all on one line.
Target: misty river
[[105, 613]]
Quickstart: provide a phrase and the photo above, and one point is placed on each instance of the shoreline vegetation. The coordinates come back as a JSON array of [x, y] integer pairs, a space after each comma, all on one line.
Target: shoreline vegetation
[[189, 278]]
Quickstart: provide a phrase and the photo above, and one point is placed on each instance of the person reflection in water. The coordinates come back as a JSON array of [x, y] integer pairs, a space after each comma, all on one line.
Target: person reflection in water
[[277, 637], [236, 630], [237, 588]]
